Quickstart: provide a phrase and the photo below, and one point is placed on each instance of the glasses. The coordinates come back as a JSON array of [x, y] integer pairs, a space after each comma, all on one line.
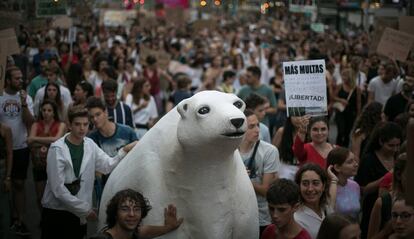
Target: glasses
[[125, 209], [404, 216]]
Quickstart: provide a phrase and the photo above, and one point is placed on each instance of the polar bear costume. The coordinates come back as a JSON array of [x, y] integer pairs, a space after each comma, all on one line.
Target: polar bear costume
[[190, 159]]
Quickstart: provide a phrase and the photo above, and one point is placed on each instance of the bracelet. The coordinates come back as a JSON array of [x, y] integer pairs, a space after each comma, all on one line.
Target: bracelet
[[334, 182]]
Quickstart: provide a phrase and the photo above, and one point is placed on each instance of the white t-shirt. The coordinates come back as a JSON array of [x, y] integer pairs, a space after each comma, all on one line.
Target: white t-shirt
[[145, 114], [310, 220], [381, 90], [11, 115], [264, 133], [64, 95], [361, 80], [266, 161]]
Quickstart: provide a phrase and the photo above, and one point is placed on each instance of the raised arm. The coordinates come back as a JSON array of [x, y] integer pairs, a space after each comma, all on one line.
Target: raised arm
[[171, 223]]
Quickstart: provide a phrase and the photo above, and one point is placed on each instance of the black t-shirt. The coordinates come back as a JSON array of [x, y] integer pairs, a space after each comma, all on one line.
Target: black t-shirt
[[395, 105], [370, 169]]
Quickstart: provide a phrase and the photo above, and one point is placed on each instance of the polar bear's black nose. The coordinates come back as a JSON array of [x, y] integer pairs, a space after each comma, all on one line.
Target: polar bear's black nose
[[238, 122]]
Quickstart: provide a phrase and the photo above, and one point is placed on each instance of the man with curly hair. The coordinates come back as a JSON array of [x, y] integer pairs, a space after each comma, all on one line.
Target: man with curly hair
[[125, 212]]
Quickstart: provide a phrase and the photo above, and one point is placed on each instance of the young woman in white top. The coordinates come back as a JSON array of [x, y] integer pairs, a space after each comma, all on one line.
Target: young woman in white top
[[143, 106], [313, 183]]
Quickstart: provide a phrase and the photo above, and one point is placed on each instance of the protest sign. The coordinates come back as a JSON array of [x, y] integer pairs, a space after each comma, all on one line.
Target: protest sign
[[9, 39], [36, 25], [115, 18], [72, 34], [302, 7], [148, 21], [406, 24], [318, 27], [305, 87], [395, 44], [204, 24], [10, 19], [8, 46], [380, 24], [176, 16], [63, 22], [47, 8]]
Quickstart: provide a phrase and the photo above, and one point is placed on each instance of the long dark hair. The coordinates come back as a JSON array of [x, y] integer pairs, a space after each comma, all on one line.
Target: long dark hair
[[54, 107], [333, 224], [58, 99], [370, 116], [137, 94], [286, 152], [87, 87], [383, 132]]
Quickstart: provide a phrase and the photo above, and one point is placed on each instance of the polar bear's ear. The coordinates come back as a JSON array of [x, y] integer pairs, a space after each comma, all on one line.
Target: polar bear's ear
[[182, 108]]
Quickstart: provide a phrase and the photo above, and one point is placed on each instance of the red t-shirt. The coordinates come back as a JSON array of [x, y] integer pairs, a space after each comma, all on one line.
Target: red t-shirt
[[154, 80], [270, 233], [306, 153]]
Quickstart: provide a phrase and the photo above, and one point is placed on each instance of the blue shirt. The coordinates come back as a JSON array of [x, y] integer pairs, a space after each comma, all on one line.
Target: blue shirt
[[111, 145]]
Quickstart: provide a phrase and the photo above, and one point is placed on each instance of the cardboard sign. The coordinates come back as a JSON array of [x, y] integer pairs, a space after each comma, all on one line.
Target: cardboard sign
[[395, 44], [8, 36], [176, 16], [63, 22], [8, 46], [35, 25], [204, 24], [148, 21], [380, 24], [115, 18], [406, 24], [10, 19], [305, 87]]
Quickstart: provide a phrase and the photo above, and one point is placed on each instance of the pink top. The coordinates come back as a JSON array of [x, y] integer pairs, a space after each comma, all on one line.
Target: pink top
[[306, 153]]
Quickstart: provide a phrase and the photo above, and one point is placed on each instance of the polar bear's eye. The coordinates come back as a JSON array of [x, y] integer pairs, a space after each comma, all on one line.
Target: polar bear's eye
[[204, 110], [238, 104]]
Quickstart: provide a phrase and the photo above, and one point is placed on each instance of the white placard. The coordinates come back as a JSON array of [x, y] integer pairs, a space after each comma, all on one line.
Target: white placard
[[305, 87], [72, 34]]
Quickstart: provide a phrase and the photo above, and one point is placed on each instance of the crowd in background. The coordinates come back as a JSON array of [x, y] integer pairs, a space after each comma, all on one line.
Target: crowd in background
[[370, 100]]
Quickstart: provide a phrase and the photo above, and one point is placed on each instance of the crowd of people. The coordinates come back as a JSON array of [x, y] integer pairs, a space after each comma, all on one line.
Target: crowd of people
[[102, 94]]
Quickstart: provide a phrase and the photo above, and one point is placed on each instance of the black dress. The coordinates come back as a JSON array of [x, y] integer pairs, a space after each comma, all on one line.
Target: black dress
[[370, 170], [345, 119]]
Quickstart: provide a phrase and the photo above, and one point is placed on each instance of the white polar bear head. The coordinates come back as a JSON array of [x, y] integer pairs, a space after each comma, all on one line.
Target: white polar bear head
[[211, 118]]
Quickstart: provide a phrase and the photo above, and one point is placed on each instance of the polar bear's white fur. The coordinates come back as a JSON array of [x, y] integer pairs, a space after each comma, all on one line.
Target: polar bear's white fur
[[190, 159]]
